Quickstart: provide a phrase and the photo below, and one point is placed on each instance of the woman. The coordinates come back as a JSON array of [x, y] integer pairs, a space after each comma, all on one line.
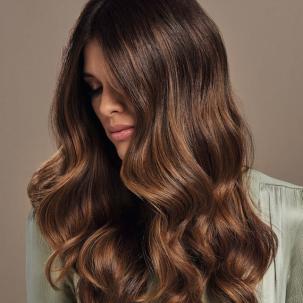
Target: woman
[[168, 209]]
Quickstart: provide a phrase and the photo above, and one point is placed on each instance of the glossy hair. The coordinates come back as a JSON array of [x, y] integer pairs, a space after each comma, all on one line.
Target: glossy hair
[[175, 218]]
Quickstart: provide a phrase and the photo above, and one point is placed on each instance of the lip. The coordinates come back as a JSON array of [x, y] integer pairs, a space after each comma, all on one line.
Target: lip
[[122, 134], [119, 127]]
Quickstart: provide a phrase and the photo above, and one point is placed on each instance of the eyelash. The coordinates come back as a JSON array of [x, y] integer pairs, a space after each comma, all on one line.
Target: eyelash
[[93, 92]]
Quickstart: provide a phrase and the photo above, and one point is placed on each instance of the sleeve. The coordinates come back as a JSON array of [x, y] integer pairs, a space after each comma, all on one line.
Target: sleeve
[[294, 291], [38, 288]]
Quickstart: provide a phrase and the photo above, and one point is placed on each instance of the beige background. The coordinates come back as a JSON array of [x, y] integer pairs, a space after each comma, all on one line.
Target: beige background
[[264, 45]]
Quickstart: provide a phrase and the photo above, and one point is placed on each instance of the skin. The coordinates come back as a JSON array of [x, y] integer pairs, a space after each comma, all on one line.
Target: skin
[[110, 106]]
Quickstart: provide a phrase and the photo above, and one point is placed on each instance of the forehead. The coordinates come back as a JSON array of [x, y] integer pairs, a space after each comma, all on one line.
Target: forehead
[[94, 61], [95, 66]]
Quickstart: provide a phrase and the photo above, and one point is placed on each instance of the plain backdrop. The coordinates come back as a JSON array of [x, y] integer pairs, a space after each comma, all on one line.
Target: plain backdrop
[[264, 44]]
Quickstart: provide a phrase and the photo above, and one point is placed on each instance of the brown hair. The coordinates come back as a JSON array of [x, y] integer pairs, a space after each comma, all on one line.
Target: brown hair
[[175, 217]]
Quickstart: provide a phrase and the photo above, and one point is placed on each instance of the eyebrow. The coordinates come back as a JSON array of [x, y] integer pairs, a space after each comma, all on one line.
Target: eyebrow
[[88, 75], [91, 76]]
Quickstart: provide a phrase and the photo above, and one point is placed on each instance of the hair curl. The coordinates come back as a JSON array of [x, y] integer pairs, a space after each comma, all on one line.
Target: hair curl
[[174, 219]]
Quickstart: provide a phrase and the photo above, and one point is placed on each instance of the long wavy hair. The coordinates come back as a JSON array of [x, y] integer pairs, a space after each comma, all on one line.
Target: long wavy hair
[[174, 219]]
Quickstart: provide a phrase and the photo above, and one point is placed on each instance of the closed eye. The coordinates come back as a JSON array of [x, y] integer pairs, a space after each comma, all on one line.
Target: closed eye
[[92, 92]]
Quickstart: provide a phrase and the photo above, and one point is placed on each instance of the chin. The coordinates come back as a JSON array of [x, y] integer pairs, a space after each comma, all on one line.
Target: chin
[[121, 149]]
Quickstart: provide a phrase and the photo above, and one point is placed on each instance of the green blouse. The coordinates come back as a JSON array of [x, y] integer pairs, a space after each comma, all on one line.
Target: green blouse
[[280, 204]]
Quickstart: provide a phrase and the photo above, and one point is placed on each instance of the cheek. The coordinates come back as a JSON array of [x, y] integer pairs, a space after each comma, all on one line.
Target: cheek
[[94, 106], [96, 109], [97, 112]]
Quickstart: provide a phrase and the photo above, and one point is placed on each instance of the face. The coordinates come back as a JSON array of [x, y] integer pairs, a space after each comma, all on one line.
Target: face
[[110, 106]]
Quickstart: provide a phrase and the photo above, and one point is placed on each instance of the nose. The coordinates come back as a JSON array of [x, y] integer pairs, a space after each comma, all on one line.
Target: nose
[[109, 103]]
